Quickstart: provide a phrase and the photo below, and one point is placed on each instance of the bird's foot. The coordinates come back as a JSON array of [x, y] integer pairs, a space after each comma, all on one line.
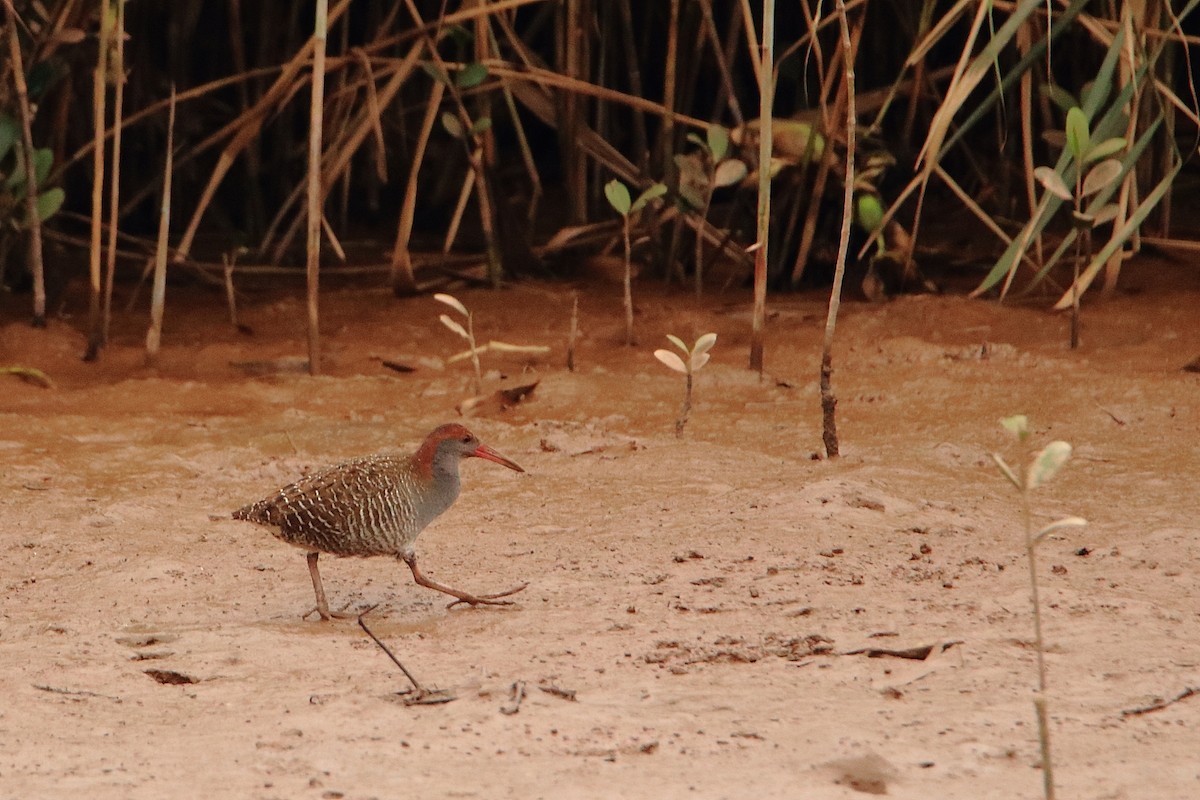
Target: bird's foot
[[326, 615], [487, 599], [427, 697]]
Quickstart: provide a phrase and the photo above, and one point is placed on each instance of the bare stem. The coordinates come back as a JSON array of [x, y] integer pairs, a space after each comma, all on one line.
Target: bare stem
[[708, 195], [628, 287], [474, 354], [686, 409], [159, 294], [36, 266], [766, 96], [95, 320], [315, 196], [117, 70], [574, 333], [1039, 702], [828, 400]]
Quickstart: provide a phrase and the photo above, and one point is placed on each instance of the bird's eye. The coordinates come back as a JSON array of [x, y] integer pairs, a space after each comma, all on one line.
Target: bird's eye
[[466, 440]]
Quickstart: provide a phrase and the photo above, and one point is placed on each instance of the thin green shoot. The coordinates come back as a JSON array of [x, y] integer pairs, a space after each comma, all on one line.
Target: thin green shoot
[[619, 198], [1026, 478]]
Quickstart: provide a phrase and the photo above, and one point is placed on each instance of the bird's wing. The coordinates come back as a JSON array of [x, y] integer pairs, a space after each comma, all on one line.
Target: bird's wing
[[325, 502]]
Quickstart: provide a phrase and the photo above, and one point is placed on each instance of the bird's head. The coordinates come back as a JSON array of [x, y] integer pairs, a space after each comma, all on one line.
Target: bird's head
[[454, 441]]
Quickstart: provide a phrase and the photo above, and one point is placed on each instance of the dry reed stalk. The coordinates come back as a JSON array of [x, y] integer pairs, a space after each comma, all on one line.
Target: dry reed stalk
[[1024, 43], [727, 93], [546, 80], [766, 98], [116, 68], [338, 154], [808, 233], [343, 200], [573, 111], [752, 47], [573, 336], [334, 243], [474, 144], [230, 294], [485, 149], [315, 195], [159, 295], [245, 129], [828, 399], [237, 55], [460, 208], [95, 317], [666, 139], [402, 278], [33, 220], [641, 147], [535, 179]]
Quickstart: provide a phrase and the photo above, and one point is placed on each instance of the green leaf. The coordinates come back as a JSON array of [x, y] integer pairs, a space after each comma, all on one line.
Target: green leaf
[[482, 124], [1078, 138], [698, 360], [1052, 182], [1106, 148], [704, 343], [1017, 425], [436, 72], [1101, 175], [1059, 96], [868, 213], [1047, 464], [49, 202], [459, 34], [17, 177], [452, 125], [671, 360], [657, 190], [1107, 213], [1005, 470], [43, 159], [1059, 524], [695, 139], [675, 340], [718, 142], [729, 172], [618, 196], [471, 75], [1082, 221]]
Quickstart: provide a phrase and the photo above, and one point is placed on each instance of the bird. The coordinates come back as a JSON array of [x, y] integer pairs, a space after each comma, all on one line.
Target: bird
[[376, 505]]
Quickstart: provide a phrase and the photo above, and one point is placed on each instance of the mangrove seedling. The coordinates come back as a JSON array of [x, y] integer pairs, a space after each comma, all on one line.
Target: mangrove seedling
[[700, 174], [473, 350], [618, 197], [693, 359], [1095, 169], [467, 333], [1026, 478]]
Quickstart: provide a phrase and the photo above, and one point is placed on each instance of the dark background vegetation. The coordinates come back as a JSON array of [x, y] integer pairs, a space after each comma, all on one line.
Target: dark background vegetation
[[557, 62]]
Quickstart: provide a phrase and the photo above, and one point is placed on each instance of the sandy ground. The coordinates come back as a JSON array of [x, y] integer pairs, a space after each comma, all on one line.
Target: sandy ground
[[700, 611]]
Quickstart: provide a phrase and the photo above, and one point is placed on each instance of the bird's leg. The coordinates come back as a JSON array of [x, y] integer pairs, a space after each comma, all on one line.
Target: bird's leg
[[322, 608], [418, 695], [463, 597]]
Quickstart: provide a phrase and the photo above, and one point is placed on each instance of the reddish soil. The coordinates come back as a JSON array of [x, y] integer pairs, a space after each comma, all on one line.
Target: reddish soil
[[698, 607]]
